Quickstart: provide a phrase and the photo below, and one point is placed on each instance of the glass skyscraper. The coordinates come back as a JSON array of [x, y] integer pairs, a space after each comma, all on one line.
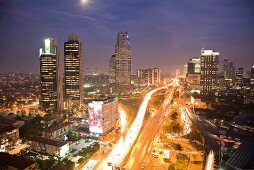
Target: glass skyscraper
[[73, 69], [51, 76]]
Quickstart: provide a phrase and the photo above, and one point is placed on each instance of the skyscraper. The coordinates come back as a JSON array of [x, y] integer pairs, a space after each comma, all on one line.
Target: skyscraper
[[239, 76], [122, 59], [228, 70], [73, 69], [112, 69], [51, 76], [193, 65], [209, 71]]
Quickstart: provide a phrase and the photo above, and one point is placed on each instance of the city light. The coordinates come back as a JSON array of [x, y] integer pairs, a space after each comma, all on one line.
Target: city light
[[123, 146]]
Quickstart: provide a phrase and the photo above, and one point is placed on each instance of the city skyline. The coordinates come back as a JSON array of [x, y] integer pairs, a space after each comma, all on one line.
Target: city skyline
[[165, 26]]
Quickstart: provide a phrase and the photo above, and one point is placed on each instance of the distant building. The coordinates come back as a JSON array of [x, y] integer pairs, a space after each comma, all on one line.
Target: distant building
[[228, 70], [73, 69], [242, 158], [209, 71], [103, 115], [151, 76], [193, 66], [112, 69], [49, 147], [193, 79], [239, 76], [185, 70], [120, 62], [57, 131], [51, 76], [14, 162], [9, 136], [178, 73], [252, 76]]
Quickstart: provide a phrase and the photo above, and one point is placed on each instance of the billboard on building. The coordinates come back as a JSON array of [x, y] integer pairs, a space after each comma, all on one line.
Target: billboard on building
[[95, 117]]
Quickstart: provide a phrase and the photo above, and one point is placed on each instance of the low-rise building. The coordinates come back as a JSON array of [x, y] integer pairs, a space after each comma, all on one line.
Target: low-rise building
[[54, 132], [49, 146], [50, 119], [9, 136], [103, 115], [11, 122], [14, 162]]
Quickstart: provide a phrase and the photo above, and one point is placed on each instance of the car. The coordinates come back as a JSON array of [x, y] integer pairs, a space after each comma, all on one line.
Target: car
[[155, 155]]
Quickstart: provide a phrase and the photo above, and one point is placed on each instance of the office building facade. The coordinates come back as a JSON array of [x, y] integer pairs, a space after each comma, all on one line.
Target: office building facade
[[209, 71], [103, 115], [150, 76], [120, 62], [228, 70], [73, 71], [51, 76], [239, 76]]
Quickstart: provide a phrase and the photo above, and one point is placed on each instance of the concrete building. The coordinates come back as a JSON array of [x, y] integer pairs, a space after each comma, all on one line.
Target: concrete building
[[14, 162], [9, 136], [150, 76], [51, 76], [73, 71], [57, 131], [49, 147], [209, 71], [103, 115]]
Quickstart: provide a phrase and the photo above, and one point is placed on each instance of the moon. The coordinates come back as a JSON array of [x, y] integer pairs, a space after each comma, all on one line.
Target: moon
[[84, 2]]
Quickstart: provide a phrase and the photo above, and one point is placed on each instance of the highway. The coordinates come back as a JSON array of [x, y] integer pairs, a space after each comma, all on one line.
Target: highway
[[209, 132], [124, 145], [140, 154]]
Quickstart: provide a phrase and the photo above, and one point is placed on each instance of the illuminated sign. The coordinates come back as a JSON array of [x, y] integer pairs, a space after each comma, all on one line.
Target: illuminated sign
[[95, 117]]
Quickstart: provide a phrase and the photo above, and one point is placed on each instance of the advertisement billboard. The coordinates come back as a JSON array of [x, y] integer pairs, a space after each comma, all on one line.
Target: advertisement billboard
[[95, 117]]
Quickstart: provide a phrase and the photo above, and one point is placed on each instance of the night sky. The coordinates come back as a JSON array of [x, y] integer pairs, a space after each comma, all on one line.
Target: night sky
[[163, 33]]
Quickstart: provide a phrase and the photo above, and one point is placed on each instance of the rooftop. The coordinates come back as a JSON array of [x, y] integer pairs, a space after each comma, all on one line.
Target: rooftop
[[101, 99], [57, 127], [7, 121], [15, 161], [6, 128], [48, 141], [243, 157]]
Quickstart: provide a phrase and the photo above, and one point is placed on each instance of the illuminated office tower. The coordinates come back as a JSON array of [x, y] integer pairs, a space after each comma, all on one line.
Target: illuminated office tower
[[193, 65], [51, 76], [112, 69], [239, 76], [209, 71], [73, 71], [122, 59]]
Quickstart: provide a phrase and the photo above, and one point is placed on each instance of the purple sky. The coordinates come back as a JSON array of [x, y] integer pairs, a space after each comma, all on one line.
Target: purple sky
[[163, 33]]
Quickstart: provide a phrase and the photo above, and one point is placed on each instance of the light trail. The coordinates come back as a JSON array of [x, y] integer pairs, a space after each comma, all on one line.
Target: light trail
[[124, 145], [123, 119], [186, 126], [210, 161]]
